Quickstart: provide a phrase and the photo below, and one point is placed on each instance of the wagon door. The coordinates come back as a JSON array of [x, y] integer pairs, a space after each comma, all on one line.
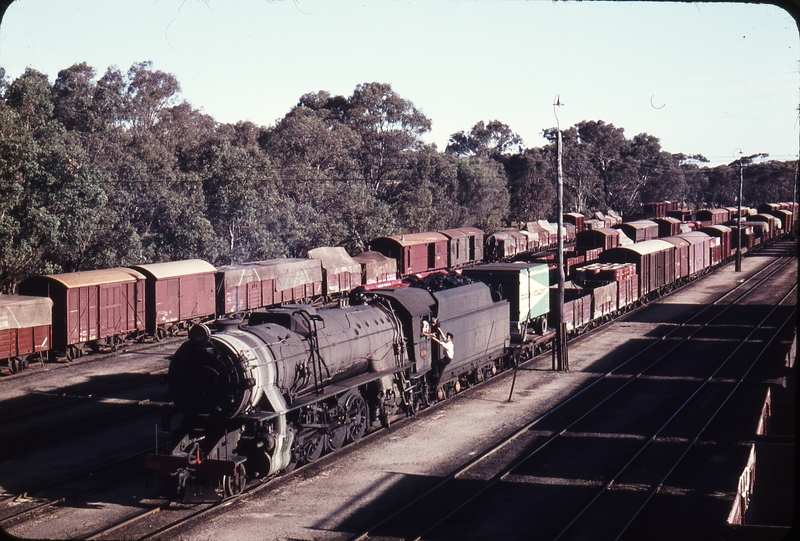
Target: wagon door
[[110, 310]]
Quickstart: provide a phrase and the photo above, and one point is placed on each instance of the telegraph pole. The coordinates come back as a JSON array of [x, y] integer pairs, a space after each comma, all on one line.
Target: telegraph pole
[[561, 360], [738, 266]]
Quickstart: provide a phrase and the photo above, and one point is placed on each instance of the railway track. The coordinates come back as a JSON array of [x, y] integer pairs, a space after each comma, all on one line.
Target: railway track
[[444, 511], [166, 520], [442, 492]]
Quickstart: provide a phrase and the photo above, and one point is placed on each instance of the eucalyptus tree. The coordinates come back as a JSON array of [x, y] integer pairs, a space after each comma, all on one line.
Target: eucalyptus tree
[[387, 125], [52, 200], [582, 184], [491, 140], [531, 178], [424, 197], [483, 192]]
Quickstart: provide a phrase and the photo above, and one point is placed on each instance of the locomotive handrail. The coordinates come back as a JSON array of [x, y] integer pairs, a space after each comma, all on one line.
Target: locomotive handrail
[[313, 340]]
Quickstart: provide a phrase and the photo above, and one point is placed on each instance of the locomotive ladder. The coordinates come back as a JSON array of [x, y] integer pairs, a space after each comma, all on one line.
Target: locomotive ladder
[[314, 357]]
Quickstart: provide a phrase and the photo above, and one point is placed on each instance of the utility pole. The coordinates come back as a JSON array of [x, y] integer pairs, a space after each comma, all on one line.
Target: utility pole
[[743, 160], [738, 267], [561, 359]]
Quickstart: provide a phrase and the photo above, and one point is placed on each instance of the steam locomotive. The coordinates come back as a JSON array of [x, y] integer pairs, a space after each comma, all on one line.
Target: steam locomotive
[[295, 382]]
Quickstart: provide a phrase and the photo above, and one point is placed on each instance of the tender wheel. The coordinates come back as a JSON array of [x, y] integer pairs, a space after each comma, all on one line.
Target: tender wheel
[[234, 484], [357, 417]]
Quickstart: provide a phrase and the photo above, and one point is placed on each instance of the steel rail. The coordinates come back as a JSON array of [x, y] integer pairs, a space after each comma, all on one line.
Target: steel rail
[[655, 435], [500, 445]]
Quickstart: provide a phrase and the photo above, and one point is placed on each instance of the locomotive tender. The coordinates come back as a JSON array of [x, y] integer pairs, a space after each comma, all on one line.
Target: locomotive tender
[[295, 382]]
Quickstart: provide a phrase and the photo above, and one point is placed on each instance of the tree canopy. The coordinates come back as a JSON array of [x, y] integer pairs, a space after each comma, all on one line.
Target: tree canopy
[[116, 169]]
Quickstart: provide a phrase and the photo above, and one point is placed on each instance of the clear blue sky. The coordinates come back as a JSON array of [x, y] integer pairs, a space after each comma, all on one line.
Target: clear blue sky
[[705, 78]]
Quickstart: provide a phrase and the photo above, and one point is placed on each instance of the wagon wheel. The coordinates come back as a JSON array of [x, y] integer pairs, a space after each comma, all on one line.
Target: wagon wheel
[[541, 326], [12, 365], [313, 446], [357, 417], [234, 484]]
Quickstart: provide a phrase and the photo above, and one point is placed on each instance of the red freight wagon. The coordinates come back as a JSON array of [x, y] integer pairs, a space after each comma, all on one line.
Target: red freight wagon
[[725, 236], [95, 308], [768, 208], [245, 287], [604, 299], [465, 246], [25, 329], [681, 255], [340, 272], [712, 216], [787, 219], [576, 219], [295, 280], [592, 224], [699, 252], [655, 263], [605, 271], [773, 224], [376, 268], [668, 227], [605, 238], [683, 215], [655, 210], [639, 230], [577, 307], [545, 239], [533, 240], [179, 293], [760, 231], [414, 252], [506, 244]]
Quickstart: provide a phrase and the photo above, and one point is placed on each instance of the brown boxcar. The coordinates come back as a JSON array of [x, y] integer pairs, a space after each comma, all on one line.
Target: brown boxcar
[[414, 252], [100, 307], [681, 255], [605, 238], [376, 267], [725, 236], [699, 252], [712, 216], [682, 215], [576, 219], [668, 227], [787, 219], [639, 230], [465, 246], [655, 263], [25, 329], [179, 293], [504, 245], [340, 272], [654, 210]]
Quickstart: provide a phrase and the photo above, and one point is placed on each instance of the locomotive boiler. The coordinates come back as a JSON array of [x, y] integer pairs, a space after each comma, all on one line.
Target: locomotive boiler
[[296, 382]]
